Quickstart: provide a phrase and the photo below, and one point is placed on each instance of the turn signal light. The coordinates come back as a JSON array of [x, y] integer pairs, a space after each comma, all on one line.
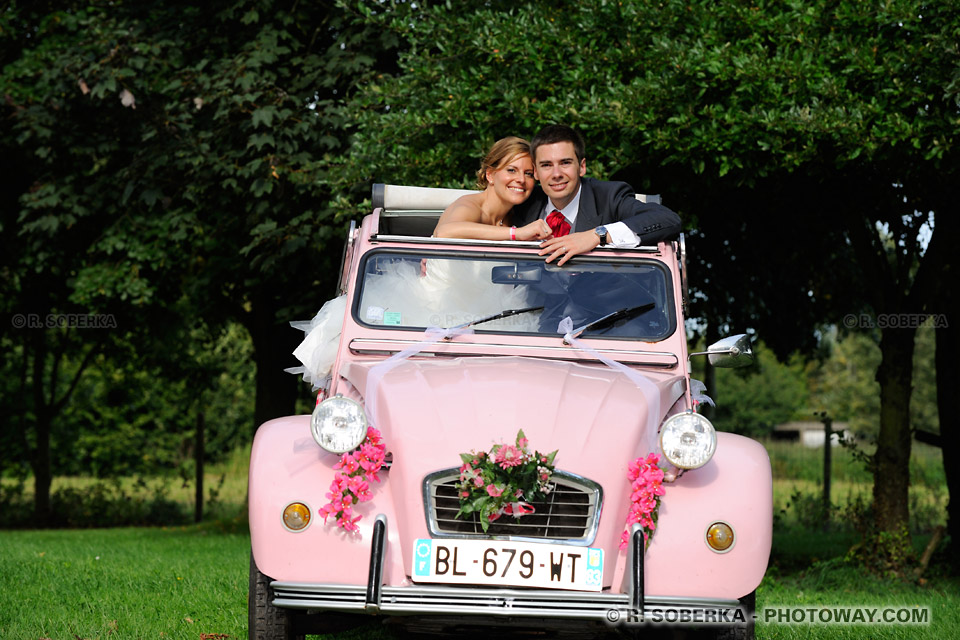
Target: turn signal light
[[720, 537], [296, 516]]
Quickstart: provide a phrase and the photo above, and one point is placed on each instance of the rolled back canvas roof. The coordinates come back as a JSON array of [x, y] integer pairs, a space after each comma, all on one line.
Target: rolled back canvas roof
[[393, 197]]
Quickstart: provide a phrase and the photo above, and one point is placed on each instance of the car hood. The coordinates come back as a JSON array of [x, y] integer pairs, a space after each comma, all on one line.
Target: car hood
[[430, 411]]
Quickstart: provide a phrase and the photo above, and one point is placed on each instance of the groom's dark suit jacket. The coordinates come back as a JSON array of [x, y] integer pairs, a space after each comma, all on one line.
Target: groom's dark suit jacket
[[604, 202]]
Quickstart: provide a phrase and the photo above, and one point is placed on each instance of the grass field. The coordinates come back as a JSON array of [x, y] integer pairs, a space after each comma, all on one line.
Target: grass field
[[123, 583], [191, 582]]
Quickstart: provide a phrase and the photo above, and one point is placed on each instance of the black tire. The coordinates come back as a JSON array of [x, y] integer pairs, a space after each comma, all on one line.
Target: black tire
[[746, 631], [267, 622]]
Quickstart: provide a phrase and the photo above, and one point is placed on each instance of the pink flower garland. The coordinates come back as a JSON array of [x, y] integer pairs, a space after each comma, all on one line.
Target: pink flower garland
[[646, 489], [352, 485]]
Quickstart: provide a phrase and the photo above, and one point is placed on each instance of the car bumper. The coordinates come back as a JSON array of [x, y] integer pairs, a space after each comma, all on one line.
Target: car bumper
[[460, 601], [377, 598]]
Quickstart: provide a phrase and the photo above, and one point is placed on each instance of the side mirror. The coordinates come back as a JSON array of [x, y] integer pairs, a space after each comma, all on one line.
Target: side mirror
[[731, 352]]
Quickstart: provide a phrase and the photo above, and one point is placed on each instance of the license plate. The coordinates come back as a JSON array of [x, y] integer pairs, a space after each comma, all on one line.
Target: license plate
[[502, 563]]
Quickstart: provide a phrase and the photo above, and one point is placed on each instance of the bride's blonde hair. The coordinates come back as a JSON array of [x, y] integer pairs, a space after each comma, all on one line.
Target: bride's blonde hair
[[502, 152]]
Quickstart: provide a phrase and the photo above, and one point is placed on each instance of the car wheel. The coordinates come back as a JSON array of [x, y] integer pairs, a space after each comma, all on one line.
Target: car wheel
[[748, 605], [267, 622]]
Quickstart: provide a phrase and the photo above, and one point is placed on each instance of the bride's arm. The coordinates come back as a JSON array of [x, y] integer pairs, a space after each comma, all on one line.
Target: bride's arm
[[472, 230], [462, 220]]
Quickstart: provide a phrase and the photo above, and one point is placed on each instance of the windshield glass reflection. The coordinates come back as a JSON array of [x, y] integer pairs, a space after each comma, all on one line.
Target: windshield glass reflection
[[416, 291]]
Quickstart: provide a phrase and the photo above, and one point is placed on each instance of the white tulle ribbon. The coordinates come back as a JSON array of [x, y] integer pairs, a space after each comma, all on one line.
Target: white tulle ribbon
[[649, 390], [318, 351], [431, 336], [697, 389]]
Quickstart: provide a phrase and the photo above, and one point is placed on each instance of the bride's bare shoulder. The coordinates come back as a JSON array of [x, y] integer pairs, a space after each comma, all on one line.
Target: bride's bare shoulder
[[464, 208]]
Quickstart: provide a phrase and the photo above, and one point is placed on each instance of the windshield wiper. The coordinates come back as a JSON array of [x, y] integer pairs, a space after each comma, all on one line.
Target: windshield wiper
[[626, 313], [503, 314]]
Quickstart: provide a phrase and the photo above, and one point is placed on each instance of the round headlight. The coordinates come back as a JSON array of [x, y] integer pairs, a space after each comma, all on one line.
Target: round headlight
[[688, 440], [338, 424]]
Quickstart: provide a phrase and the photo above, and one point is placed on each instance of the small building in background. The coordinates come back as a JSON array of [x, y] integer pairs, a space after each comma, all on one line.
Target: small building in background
[[810, 433]]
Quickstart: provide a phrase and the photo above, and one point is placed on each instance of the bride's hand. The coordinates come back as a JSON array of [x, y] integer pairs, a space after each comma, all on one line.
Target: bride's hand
[[536, 230]]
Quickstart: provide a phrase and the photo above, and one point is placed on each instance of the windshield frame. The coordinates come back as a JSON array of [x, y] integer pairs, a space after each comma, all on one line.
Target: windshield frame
[[439, 252]]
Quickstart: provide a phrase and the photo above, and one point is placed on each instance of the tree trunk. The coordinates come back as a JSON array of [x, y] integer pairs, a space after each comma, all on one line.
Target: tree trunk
[[891, 462], [199, 455], [42, 477], [40, 460], [273, 345], [947, 349]]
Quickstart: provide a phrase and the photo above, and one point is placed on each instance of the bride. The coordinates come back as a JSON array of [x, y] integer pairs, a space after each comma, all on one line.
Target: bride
[[505, 179]]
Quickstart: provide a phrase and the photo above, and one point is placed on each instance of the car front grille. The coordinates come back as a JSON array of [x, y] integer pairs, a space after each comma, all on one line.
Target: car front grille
[[570, 513]]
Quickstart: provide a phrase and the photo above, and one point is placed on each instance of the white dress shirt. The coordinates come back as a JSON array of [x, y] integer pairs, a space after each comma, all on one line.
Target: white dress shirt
[[619, 235]]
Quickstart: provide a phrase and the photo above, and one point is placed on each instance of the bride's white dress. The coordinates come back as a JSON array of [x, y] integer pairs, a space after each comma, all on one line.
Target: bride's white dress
[[437, 292]]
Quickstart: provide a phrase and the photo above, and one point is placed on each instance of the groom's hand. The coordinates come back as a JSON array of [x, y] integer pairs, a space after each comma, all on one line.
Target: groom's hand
[[565, 247]]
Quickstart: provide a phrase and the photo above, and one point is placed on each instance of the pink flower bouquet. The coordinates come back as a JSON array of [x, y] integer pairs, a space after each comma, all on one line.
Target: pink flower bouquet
[[502, 481]]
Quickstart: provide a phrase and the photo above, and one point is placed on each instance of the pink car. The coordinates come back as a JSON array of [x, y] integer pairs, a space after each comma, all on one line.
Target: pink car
[[481, 454]]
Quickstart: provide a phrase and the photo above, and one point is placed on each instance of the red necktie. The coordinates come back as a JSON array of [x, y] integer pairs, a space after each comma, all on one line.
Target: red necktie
[[558, 224]]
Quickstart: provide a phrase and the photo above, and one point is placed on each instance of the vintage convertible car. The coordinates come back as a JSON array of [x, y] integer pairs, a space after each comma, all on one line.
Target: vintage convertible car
[[452, 347]]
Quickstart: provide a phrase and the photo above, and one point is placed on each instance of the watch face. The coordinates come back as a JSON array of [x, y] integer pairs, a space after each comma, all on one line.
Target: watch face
[[602, 232]]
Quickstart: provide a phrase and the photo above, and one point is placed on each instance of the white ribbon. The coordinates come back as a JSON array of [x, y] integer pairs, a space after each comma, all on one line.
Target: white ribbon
[[431, 336], [649, 390]]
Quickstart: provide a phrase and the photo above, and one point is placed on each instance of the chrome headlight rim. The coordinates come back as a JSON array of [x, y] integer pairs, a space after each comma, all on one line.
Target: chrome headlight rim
[[673, 423], [319, 427]]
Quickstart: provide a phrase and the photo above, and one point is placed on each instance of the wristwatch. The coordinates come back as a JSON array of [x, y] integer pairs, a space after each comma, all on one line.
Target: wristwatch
[[602, 232]]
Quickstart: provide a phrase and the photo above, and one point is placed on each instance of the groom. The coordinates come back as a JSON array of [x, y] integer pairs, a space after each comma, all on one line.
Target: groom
[[598, 213]]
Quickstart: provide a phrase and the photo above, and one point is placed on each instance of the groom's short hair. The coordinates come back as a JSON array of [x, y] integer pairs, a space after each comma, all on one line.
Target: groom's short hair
[[554, 133]]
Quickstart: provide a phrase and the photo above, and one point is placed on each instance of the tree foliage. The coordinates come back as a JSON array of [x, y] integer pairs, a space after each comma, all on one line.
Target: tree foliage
[[165, 153], [807, 145], [171, 151]]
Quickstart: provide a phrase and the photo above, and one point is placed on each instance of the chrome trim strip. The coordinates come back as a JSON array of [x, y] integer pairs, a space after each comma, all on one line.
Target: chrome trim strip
[[356, 350], [544, 603], [489, 243], [588, 486]]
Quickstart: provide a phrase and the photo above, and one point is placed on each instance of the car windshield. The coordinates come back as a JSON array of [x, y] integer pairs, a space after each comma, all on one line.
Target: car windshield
[[410, 290]]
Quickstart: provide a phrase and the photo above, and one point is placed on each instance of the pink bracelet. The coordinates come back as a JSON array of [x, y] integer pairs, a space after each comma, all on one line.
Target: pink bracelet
[[513, 233]]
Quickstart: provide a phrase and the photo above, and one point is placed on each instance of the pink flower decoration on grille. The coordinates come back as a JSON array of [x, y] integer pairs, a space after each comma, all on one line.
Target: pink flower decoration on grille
[[491, 485]]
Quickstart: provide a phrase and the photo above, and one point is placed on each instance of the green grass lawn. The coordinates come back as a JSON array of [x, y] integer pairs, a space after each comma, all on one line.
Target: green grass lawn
[[807, 571], [191, 582], [123, 583]]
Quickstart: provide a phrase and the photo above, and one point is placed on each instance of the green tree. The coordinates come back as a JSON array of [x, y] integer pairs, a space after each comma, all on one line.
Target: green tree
[[167, 150], [845, 386], [762, 396], [805, 143]]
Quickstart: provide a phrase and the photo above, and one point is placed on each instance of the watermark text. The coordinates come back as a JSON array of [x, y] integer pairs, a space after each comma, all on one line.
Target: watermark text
[[64, 321], [738, 616], [845, 615], [895, 321]]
